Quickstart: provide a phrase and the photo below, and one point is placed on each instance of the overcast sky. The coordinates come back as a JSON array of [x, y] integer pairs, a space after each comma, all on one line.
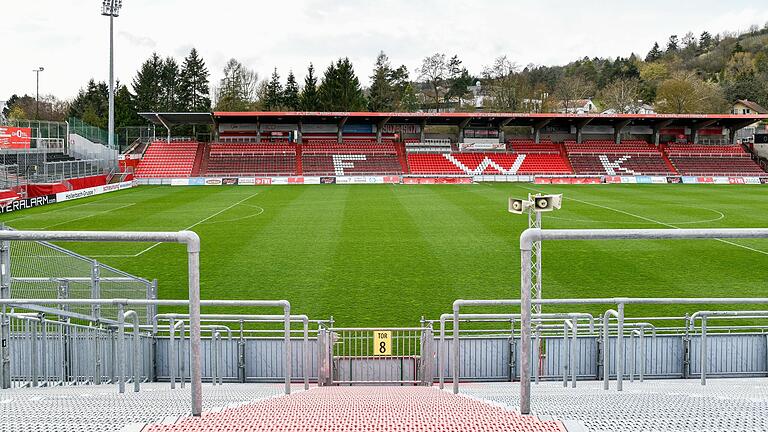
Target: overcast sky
[[70, 37]]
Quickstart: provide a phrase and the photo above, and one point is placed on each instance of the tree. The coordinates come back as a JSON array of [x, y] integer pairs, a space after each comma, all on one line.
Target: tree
[[273, 99], [404, 99], [340, 89], [622, 96], [92, 104], [458, 80], [125, 112], [506, 87], [684, 93], [741, 66], [654, 54], [147, 85], [169, 85], [434, 71], [705, 41], [748, 87], [237, 90], [571, 89], [9, 105], [291, 99], [309, 97], [194, 87], [17, 113], [381, 94], [673, 45]]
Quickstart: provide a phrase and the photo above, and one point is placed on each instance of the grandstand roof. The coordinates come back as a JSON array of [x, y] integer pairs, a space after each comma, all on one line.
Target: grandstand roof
[[482, 119]]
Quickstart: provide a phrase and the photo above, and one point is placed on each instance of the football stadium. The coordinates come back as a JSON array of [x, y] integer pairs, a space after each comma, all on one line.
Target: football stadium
[[441, 268]]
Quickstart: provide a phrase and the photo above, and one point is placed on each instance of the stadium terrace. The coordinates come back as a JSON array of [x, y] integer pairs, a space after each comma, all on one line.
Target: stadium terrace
[[403, 146]]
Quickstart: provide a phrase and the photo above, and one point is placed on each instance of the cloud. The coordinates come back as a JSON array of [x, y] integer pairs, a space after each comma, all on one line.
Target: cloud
[[140, 41]]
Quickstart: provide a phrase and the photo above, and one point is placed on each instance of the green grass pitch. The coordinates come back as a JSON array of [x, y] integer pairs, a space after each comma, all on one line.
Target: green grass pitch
[[384, 255]]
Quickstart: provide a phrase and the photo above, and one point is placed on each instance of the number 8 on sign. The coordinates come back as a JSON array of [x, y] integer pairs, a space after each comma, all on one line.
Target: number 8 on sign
[[382, 343]]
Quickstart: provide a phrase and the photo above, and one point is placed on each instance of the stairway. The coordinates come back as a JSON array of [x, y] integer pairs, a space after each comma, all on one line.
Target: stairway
[[365, 409], [299, 166], [401, 156], [667, 160], [201, 160]]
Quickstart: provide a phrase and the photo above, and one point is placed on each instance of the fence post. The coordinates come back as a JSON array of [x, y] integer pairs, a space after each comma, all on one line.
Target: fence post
[[151, 295], [95, 288], [241, 355], [512, 352], [120, 348], [703, 350], [687, 349], [5, 325], [33, 352], [44, 347], [96, 355]]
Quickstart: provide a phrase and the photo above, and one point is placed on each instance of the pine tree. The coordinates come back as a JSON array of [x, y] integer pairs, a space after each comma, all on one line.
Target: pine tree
[[381, 94], [340, 89], [194, 88], [309, 97], [673, 44], [654, 54], [169, 84], [291, 100], [125, 112], [705, 41], [147, 85], [273, 100]]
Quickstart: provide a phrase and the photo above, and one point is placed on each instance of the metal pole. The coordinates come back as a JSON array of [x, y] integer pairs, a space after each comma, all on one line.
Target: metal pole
[[455, 350], [620, 350], [306, 354], [121, 348], [111, 131], [5, 324], [287, 348], [572, 352], [703, 348], [172, 352], [193, 252], [525, 330], [642, 353]]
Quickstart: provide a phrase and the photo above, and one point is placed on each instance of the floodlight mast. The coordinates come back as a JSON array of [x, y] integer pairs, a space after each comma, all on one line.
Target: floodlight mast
[[111, 8]]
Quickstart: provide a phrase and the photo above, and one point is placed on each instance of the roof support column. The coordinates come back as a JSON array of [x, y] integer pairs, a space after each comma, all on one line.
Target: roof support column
[[502, 125], [537, 127], [657, 131], [258, 131], [340, 132], [580, 129], [380, 128], [618, 128], [464, 123], [423, 133], [300, 132], [697, 127]]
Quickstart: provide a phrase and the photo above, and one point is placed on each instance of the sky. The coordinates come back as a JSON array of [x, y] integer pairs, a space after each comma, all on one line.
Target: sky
[[70, 38]]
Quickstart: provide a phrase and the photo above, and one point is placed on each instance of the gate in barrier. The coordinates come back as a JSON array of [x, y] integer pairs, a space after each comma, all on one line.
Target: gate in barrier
[[377, 356]]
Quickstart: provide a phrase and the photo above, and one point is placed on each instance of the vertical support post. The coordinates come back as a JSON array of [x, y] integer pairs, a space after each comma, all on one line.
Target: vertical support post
[[642, 353], [703, 349], [44, 347], [512, 352], [455, 351], [632, 356], [96, 355], [564, 354], [572, 351], [193, 252], [422, 131], [306, 354], [172, 361], [5, 324], [441, 356], [620, 350], [33, 351], [95, 288], [687, 348], [121, 348], [525, 332], [287, 348], [241, 355]]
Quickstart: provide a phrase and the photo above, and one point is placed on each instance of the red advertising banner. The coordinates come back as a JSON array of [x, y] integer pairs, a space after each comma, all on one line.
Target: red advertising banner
[[15, 138]]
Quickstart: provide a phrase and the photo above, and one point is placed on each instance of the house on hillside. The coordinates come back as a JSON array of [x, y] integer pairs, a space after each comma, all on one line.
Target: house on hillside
[[580, 106], [745, 106]]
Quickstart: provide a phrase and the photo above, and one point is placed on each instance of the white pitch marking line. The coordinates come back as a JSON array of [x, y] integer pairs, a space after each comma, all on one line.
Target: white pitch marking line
[[198, 223], [86, 217], [654, 221]]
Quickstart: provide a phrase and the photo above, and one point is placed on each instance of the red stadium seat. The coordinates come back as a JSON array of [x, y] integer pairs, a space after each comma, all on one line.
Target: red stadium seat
[[168, 160]]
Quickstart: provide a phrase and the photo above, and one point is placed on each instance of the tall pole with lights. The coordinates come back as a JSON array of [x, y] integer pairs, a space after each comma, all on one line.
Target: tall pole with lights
[[37, 91], [111, 8]]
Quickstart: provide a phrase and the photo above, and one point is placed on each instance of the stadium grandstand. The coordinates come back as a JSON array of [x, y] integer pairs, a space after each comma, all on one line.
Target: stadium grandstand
[[289, 144]]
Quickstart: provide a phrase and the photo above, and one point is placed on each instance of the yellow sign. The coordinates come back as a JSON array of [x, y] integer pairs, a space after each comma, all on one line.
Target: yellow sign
[[382, 343]]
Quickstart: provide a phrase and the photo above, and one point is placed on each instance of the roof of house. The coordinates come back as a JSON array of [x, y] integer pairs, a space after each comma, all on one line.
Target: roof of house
[[754, 106]]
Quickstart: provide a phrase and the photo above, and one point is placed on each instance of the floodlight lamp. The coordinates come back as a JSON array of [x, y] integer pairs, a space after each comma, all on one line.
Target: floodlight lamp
[[111, 7]]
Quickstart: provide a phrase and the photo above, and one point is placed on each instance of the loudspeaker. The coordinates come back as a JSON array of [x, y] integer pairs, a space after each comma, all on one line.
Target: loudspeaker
[[547, 203], [517, 206]]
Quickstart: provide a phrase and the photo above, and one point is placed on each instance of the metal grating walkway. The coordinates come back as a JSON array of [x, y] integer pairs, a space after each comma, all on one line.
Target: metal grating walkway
[[658, 406], [366, 409], [103, 409]]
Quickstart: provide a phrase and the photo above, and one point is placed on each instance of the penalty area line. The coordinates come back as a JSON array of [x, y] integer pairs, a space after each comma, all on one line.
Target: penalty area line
[[184, 229]]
